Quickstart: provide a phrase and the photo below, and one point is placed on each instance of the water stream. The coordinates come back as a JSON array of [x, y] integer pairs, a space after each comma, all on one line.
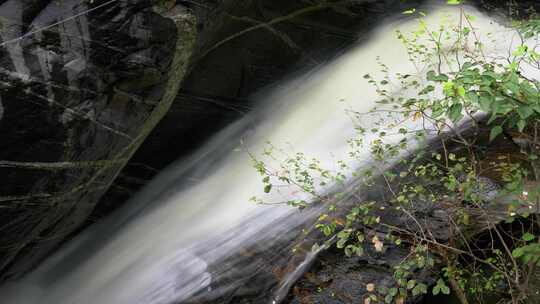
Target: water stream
[[188, 235]]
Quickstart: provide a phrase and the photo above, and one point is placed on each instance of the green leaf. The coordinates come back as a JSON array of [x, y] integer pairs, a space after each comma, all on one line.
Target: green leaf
[[461, 91], [513, 85], [485, 103], [453, 2], [495, 131], [473, 97], [525, 112], [327, 230], [513, 66], [467, 65], [426, 90], [359, 251], [521, 124], [267, 188], [448, 88], [471, 17], [441, 287], [527, 237], [419, 289], [441, 77], [501, 107], [445, 290], [521, 50], [518, 252], [455, 112], [432, 76], [349, 250]]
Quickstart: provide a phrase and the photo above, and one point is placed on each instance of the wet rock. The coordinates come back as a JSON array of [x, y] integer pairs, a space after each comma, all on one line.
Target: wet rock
[[337, 279], [82, 84], [533, 287]]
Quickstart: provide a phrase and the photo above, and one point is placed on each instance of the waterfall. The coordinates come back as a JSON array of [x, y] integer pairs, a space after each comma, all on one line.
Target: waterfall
[[191, 233]]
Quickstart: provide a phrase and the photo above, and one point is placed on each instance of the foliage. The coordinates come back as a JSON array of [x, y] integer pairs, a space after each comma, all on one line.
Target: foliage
[[530, 252], [458, 82]]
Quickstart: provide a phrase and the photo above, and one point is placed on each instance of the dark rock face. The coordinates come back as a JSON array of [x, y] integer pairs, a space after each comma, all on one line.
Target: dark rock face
[[82, 83]]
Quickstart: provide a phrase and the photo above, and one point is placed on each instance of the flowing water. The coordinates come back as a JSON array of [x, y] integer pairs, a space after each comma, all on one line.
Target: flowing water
[[191, 234]]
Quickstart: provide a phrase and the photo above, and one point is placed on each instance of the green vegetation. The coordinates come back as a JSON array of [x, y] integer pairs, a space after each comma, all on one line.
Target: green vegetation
[[458, 82]]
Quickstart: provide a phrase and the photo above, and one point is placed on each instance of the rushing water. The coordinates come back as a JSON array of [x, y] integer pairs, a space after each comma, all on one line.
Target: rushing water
[[189, 234]]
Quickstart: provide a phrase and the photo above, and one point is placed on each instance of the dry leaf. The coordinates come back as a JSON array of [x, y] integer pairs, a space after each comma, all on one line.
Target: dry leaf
[[377, 243], [370, 287]]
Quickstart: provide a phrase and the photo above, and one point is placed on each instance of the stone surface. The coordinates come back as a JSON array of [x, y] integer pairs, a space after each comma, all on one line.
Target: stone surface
[[82, 83], [337, 279]]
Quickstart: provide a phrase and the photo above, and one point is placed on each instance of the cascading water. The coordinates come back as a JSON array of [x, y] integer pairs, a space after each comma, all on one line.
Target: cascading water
[[192, 235]]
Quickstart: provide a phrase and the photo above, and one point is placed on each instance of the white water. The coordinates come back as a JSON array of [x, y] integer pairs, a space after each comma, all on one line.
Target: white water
[[201, 211]]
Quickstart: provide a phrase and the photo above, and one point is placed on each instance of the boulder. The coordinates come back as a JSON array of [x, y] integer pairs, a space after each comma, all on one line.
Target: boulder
[[82, 84]]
